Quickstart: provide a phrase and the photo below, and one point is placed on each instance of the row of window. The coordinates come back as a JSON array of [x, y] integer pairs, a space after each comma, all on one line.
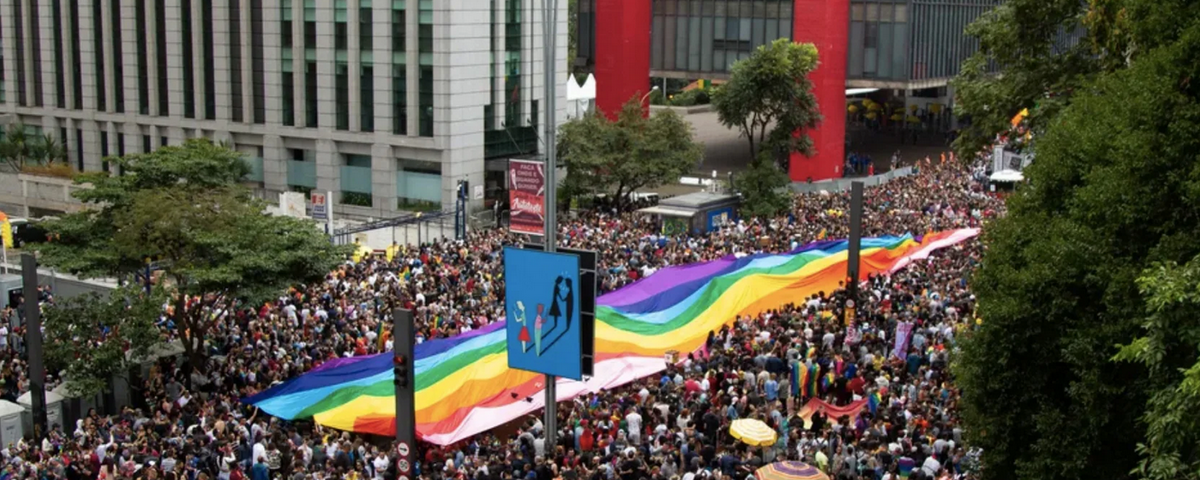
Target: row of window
[[198, 63]]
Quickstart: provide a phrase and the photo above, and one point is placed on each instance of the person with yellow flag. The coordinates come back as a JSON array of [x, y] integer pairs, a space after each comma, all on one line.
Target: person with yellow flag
[[6, 239]]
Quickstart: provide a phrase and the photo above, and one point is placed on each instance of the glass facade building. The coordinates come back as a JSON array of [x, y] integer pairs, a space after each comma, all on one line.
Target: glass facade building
[[891, 42]]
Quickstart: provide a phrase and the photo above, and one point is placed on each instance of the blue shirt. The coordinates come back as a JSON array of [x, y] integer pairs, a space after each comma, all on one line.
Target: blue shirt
[[260, 472], [772, 389]]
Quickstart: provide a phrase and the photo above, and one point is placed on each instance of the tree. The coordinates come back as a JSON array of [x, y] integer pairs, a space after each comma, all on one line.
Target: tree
[[1168, 350], [182, 207], [769, 98], [1046, 50], [630, 153], [762, 188], [1058, 287], [98, 337]]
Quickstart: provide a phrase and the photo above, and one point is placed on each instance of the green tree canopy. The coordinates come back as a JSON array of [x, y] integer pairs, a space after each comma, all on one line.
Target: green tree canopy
[[1109, 197], [769, 98], [183, 208], [627, 154], [96, 338], [763, 188]]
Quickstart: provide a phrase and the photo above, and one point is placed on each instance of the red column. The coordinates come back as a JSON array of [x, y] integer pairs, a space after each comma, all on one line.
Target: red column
[[622, 52], [826, 24]]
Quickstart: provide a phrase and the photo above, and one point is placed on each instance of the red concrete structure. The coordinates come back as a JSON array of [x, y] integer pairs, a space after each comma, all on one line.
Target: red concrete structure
[[623, 52], [826, 24], [623, 70]]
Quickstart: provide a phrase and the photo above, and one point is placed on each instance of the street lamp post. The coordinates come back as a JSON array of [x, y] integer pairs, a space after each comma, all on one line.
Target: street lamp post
[[643, 99]]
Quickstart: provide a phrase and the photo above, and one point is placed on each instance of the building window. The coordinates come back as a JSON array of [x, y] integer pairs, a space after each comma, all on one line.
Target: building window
[[366, 30], [19, 27], [367, 98], [425, 84], [310, 94], [285, 25], [259, 80], [342, 96], [103, 150], [399, 29], [399, 99], [146, 146], [118, 58], [160, 13], [235, 60], [340, 35], [189, 66], [98, 51], [289, 93], [143, 58], [36, 39], [210, 68], [60, 80], [79, 149]]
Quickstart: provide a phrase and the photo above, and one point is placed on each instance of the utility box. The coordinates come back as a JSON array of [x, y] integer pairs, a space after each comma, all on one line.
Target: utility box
[[10, 290], [695, 213]]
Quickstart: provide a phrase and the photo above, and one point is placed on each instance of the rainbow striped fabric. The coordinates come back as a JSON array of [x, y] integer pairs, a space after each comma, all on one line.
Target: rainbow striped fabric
[[465, 387]]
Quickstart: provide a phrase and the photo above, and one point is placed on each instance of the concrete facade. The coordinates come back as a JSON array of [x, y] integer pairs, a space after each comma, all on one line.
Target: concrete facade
[[467, 77]]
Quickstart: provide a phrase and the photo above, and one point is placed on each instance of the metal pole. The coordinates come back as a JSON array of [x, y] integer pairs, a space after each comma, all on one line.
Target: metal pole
[[856, 214], [406, 420], [33, 344], [550, 235], [329, 211]]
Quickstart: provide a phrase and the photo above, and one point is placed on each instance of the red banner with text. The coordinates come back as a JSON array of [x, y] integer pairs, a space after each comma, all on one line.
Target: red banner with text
[[527, 197]]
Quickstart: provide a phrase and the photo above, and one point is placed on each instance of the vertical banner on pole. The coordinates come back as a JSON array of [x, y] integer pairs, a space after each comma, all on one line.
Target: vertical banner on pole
[[526, 197]]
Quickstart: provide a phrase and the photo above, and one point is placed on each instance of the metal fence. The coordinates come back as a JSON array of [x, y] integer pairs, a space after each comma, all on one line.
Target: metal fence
[[843, 184]]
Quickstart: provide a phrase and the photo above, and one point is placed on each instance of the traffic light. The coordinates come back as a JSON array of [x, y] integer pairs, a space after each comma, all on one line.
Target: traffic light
[[400, 371]]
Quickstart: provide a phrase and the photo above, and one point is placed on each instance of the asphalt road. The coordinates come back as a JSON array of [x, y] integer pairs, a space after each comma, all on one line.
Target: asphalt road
[[725, 150]]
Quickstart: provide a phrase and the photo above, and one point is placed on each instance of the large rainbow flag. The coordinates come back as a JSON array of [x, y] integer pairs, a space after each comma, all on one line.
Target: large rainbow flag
[[464, 385]]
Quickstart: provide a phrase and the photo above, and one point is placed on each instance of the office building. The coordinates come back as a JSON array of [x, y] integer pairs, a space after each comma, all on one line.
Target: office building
[[386, 103], [913, 47]]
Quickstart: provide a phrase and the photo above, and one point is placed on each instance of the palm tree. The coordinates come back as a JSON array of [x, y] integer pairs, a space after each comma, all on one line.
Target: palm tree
[[13, 147], [51, 149]]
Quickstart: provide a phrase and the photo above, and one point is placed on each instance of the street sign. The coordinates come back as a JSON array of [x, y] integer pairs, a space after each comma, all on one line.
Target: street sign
[[403, 449], [319, 205], [403, 465]]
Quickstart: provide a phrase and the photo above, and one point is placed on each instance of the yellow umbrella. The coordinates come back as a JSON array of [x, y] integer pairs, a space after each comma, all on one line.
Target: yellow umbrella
[[853, 108], [912, 108], [752, 432], [913, 119], [935, 108], [875, 107], [896, 117], [871, 116], [790, 470]]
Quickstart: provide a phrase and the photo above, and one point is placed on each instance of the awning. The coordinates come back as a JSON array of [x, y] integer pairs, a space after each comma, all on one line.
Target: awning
[[667, 211], [850, 92], [1007, 176]]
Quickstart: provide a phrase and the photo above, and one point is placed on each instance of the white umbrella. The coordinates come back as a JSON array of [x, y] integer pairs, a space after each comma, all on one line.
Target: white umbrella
[[1007, 176]]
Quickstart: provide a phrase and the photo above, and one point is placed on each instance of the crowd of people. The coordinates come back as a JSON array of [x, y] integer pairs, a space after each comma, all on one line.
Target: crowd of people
[[191, 424]]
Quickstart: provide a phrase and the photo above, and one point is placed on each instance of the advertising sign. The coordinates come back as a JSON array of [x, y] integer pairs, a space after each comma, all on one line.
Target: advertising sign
[[526, 196], [542, 303], [318, 205]]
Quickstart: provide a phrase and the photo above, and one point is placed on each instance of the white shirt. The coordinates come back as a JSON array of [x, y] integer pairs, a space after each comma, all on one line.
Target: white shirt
[[635, 422], [381, 465]]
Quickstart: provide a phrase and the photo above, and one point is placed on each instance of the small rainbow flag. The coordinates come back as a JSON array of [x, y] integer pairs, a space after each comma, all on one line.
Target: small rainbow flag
[[813, 372], [873, 402]]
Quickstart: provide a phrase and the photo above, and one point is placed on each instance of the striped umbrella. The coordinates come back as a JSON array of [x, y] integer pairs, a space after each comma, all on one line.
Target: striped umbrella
[[753, 432], [790, 470]]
